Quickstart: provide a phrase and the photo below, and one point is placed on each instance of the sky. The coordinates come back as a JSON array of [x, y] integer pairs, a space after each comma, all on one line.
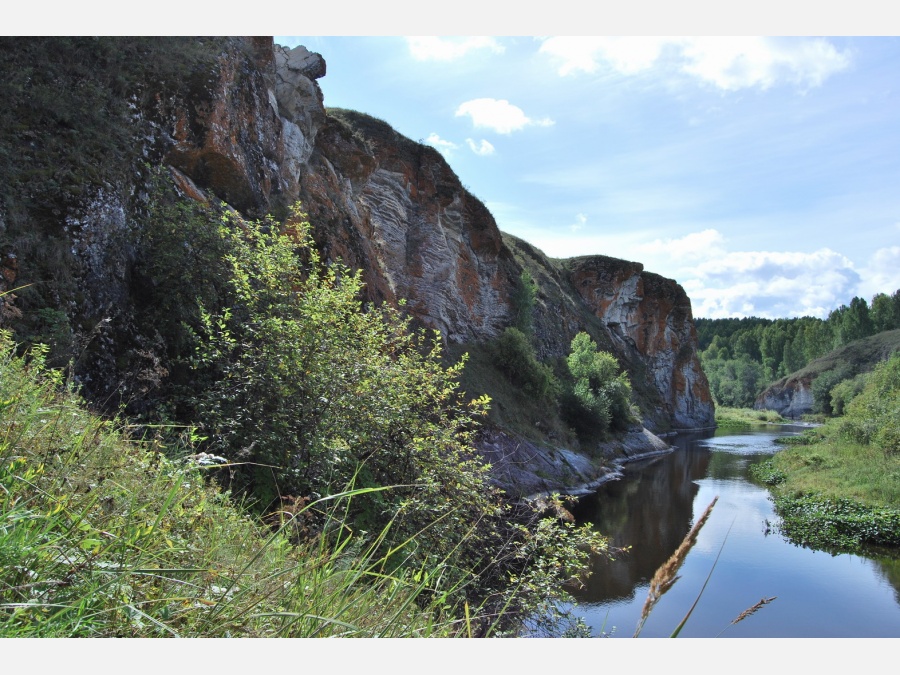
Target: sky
[[762, 174]]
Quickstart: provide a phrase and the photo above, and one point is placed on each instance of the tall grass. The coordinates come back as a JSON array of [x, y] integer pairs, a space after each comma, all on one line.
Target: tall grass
[[823, 462], [745, 418], [104, 536]]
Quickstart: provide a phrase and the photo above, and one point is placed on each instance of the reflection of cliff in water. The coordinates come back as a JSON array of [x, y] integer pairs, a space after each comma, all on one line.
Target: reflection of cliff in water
[[651, 510]]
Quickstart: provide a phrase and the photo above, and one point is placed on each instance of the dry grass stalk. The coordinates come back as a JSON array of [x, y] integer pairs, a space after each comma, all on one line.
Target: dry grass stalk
[[752, 610], [667, 574]]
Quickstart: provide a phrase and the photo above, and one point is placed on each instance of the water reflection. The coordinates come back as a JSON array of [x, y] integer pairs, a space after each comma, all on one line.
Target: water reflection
[[650, 511], [653, 507]]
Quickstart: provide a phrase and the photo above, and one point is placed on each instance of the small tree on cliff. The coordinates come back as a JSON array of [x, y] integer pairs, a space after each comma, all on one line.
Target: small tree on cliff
[[600, 395]]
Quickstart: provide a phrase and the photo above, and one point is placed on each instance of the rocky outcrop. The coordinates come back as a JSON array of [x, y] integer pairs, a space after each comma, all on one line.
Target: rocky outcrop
[[245, 123], [526, 469], [394, 209], [649, 320], [791, 397]]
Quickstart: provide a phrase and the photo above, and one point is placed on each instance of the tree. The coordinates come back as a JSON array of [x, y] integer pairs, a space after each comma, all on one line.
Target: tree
[[602, 393], [523, 302], [310, 395], [885, 312]]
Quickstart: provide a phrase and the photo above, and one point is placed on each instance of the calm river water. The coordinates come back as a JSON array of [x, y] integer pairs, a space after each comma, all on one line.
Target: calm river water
[[653, 507]]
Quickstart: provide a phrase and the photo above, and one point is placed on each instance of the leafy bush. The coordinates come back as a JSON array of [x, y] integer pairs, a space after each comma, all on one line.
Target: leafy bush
[[873, 417], [600, 396], [310, 395], [514, 355], [823, 385], [845, 391]]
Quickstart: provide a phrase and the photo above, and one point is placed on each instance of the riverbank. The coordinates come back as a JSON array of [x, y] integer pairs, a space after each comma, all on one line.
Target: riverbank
[[526, 469], [837, 486], [834, 494], [744, 418]]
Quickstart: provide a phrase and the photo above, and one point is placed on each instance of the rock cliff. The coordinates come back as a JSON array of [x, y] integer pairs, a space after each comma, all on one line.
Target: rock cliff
[[245, 123], [789, 397]]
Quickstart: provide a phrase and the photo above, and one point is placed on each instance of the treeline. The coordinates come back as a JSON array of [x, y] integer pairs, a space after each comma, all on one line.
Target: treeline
[[743, 356]]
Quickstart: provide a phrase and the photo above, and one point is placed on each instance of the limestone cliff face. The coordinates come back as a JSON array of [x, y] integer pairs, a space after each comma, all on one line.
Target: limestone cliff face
[[394, 209], [649, 319], [249, 127]]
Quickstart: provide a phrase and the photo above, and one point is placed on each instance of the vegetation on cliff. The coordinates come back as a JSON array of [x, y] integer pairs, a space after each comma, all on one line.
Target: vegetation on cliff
[[838, 486], [339, 426]]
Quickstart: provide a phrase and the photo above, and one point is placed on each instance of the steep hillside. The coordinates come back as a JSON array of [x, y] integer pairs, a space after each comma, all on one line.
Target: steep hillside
[[795, 395], [115, 152]]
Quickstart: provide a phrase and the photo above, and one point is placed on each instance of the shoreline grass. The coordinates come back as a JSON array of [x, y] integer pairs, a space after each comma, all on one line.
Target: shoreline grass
[[745, 418], [834, 494], [102, 536]]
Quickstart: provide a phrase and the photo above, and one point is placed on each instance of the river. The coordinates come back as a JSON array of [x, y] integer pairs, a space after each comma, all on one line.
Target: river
[[654, 505]]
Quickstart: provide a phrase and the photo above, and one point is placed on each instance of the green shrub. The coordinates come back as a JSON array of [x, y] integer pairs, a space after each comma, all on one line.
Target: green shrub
[[873, 416], [845, 391], [823, 385], [599, 398], [310, 395], [514, 355]]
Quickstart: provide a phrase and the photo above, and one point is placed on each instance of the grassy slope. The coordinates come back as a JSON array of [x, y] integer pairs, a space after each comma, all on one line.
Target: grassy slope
[[860, 356], [103, 536]]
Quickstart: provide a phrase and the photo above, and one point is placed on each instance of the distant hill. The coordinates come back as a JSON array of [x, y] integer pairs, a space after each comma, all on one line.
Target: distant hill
[[799, 394]]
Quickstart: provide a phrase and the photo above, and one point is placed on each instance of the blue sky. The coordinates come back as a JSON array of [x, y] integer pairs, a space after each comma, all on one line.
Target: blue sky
[[763, 174]]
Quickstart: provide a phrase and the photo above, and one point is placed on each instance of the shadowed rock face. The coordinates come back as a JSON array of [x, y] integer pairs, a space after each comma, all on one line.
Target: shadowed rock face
[[394, 209], [250, 128], [649, 319]]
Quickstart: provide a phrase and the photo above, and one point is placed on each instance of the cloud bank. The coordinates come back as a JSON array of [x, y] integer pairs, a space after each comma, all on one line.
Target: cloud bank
[[430, 48], [724, 283], [729, 63]]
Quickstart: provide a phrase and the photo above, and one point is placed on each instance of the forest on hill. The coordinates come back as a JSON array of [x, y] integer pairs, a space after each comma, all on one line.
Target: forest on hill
[[741, 357]]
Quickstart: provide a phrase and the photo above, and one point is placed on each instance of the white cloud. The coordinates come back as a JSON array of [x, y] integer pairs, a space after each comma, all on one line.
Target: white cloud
[[499, 115], [627, 55], [770, 283], [729, 63], [444, 147], [580, 222], [694, 246], [483, 148], [741, 62], [881, 274], [430, 48]]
